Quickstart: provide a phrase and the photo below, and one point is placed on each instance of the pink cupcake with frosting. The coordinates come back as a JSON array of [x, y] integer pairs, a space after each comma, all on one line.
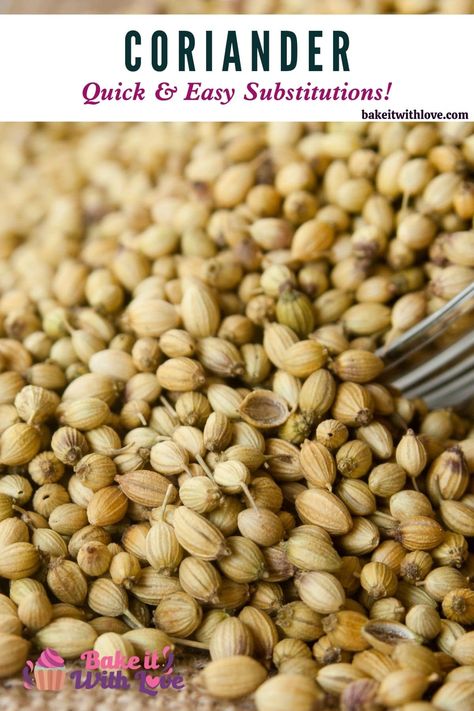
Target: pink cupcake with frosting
[[50, 672]]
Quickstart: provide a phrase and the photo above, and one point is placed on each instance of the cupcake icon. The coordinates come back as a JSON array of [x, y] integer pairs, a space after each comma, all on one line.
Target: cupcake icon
[[49, 671]]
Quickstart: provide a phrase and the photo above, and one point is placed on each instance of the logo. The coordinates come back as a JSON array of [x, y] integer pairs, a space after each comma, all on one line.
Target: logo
[[108, 672]]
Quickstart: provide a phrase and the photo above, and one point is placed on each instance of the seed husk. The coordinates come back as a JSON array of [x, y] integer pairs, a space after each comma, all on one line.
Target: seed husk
[[357, 497], [321, 591], [453, 695], [232, 595], [311, 240], [294, 309], [285, 690], [107, 598], [178, 615], [308, 552], [263, 409], [244, 562], [458, 605], [144, 487], [414, 656], [14, 652], [360, 693], [353, 405], [318, 464], [463, 649], [94, 558], [262, 526], [36, 404], [384, 635], [11, 624], [225, 515], [200, 579], [49, 542], [457, 516], [375, 663], [441, 581], [317, 393], [210, 620], [303, 358], [451, 473], [169, 458], [144, 639], [424, 621], [107, 506], [305, 667], [419, 533], [35, 611], [163, 550], [151, 586], [67, 582], [96, 471], [68, 636], [411, 454], [344, 630], [200, 311], [408, 504], [220, 681], [13, 530], [181, 374], [151, 317], [387, 608], [386, 479], [111, 643], [69, 445], [403, 686], [19, 444], [18, 560], [84, 535], [357, 366], [217, 432], [354, 459], [463, 673], [363, 537], [231, 637], [334, 678], [378, 580], [410, 595], [84, 414], [299, 621], [378, 438], [290, 648], [220, 357], [263, 630], [320, 507], [198, 536], [415, 566], [125, 569]]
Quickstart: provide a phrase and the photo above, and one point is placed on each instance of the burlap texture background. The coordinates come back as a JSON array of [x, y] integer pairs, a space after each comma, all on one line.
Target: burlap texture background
[[13, 697]]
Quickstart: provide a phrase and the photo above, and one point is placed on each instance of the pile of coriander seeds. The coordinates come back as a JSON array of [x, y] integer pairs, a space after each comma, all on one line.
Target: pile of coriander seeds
[[195, 449], [311, 7]]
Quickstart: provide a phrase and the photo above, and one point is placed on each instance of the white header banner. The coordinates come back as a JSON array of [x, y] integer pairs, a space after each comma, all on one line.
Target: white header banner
[[236, 67]]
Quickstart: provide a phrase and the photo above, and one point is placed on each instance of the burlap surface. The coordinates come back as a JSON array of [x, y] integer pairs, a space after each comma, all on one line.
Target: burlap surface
[[13, 697], [117, 6], [77, 6]]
